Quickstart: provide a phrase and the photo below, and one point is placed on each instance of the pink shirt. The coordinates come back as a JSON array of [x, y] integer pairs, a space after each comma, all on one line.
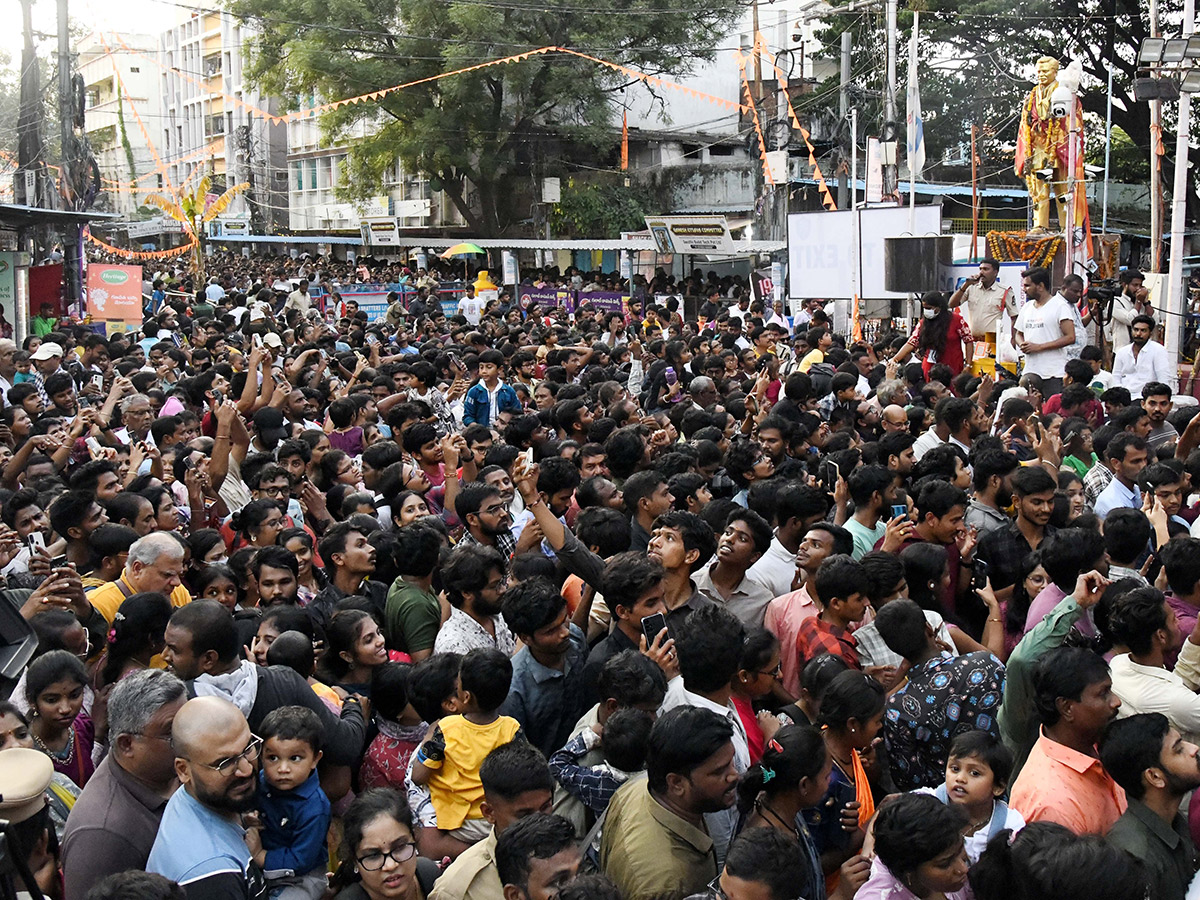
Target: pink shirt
[[883, 885], [783, 618]]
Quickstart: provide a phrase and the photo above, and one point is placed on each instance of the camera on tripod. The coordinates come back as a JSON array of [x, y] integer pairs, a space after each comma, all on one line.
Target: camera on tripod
[[1103, 291]]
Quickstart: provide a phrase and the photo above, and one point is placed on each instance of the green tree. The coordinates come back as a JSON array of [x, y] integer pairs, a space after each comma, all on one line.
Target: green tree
[[486, 137], [600, 208]]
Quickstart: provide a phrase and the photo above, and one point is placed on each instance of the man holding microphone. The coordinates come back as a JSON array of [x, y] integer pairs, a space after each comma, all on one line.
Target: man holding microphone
[[989, 305]]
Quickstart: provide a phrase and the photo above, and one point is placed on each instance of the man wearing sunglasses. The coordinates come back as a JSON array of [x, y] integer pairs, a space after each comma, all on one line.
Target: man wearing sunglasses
[[200, 841]]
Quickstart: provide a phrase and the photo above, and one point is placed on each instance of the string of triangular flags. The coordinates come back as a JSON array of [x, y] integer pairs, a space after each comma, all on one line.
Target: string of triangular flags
[[140, 254], [759, 47], [762, 144]]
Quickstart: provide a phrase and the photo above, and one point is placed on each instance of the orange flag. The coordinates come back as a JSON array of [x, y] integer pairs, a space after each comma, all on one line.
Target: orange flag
[[624, 140]]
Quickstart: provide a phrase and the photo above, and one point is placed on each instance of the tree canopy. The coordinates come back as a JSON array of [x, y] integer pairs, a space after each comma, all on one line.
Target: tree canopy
[[487, 137], [976, 64]]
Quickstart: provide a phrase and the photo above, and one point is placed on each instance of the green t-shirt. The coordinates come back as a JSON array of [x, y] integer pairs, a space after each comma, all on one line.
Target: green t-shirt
[[865, 538], [412, 617]]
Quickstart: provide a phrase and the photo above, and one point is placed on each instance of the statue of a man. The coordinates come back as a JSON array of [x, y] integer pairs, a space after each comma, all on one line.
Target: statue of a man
[[1042, 143]]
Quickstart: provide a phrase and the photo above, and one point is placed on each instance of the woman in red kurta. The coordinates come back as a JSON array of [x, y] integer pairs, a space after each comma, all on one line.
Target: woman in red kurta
[[942, 336]]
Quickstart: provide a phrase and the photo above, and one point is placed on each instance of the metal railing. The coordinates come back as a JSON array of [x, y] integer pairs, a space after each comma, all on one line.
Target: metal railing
[[963, 226]]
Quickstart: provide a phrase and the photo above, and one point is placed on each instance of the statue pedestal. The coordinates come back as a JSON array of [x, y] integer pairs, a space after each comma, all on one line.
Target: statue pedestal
[[1047, 250]]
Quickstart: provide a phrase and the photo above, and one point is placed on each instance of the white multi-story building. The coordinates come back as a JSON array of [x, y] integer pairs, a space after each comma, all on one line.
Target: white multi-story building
[[208, 117], [316, 170], [119, 76]]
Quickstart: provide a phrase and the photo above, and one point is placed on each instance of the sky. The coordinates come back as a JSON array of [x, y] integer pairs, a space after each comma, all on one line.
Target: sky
[[138, 16]]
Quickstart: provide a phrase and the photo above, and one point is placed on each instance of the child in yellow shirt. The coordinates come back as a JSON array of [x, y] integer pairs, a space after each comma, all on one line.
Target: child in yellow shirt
[[448, 760]]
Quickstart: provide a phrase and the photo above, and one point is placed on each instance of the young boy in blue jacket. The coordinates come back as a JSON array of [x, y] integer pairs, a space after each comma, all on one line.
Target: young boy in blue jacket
[[294, 812], [489, 396]]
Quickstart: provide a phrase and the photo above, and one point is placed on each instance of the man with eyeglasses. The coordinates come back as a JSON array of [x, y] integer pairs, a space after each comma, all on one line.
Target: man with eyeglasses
[[155, 563], [200, 843], [485, 514], [114, 822]]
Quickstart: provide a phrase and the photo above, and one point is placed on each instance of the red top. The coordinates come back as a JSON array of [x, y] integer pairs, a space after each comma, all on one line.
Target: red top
[[951, 354]]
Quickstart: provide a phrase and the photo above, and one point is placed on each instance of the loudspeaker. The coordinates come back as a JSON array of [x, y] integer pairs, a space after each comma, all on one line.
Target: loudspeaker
[[911, 264]]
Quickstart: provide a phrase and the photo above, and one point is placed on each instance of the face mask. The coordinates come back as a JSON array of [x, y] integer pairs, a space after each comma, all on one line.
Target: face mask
[[930, 313]]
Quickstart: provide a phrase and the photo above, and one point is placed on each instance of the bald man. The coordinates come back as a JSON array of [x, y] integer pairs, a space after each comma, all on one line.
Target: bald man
[[201, 842], [893, 418]]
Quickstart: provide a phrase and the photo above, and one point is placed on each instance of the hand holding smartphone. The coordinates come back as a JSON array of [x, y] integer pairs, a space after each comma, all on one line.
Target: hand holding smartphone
[[652, 627]]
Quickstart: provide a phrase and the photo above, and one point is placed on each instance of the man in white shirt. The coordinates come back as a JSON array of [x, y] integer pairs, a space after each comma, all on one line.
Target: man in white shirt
[[470, 307], [1148, 628], [299, 299], [1045, 329], [1142, 361], [1133, 300], [214, 292], [1070, 291]]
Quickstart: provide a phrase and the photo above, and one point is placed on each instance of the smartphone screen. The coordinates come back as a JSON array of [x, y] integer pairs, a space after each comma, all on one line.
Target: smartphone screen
[[652, 627], [899, 509]]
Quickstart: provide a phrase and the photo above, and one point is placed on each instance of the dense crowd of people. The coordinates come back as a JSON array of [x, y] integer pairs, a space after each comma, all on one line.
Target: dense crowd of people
[[532, 603]]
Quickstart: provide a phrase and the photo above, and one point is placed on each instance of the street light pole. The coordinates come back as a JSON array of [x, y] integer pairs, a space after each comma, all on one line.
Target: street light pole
[[891, 170], [1176, 286], [1156, 213]]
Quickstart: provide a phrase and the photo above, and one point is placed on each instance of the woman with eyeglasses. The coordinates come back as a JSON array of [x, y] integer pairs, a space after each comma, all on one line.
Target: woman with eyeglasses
[[257, 524], [758, 674], [379, 851]]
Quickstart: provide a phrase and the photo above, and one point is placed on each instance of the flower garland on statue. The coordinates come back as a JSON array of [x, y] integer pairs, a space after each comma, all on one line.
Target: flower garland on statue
[[1017, 246]]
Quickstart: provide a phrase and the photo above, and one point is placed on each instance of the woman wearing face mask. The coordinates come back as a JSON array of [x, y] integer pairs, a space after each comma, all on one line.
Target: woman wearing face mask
[[942, 337]]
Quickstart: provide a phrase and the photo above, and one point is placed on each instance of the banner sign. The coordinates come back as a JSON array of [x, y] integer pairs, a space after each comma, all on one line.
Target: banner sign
[[764, 287], [546, 298], [382, 232], [9, 260], [690, 234], [372, 298], [604, 302], [114, 295]]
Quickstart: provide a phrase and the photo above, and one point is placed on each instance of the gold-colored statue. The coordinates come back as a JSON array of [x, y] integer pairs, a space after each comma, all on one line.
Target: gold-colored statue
[[1042, 143]]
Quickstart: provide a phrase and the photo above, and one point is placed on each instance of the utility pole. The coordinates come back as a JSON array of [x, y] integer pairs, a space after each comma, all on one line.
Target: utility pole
[[890, 172], [1176, 286], [758, 82], [69, 180], [1156, 210], [29, 119], [843, 110]]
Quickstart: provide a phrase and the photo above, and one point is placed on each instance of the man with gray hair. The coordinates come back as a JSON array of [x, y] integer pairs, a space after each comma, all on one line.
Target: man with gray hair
[[155, 563], [136, 415], [8, 369], [891, 392], [703, 391], [115, 820]]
